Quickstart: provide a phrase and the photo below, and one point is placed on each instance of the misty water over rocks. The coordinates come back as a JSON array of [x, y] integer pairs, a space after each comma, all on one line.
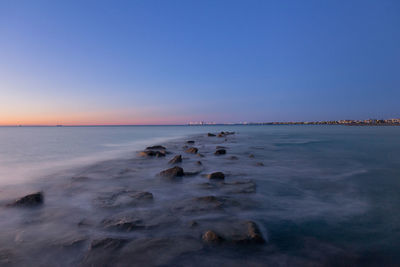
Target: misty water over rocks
[[253, 197]]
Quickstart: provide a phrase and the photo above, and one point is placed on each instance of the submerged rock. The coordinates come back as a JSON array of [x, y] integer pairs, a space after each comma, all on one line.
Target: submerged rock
[[29, 200], [199, 162], [233, 158], [152, 153], [156, 148], [211, 237], [176, 159], [216, 175], [220, 152], [251, 156], [192, 150], [123, 224], [173, 172], [259, 164], [200, 155], [252, 234], [123, 198], [210, 134], [190, 142]]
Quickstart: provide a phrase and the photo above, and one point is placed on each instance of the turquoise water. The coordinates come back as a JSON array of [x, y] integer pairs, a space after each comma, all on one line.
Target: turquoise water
[[326, 195]]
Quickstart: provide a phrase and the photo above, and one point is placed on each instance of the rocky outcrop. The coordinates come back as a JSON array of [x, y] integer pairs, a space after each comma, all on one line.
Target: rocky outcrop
[[176, 159], [216, 176], [173, 172], [220, 152], [192, 150], [30, 200]]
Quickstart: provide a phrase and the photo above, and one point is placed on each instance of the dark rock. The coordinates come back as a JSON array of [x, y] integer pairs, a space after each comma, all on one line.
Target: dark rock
[[123, 224], [192, 150], [156, 148], [211, 237], [210, 134], [216, 175], [193, 223], [190, 142], [253, 234], [176, 159], [259, 164], [234, 158], [240, 187], [251, 156], [152, 153], [220, 152], [199, 162], [173, 172], [108, 243], [200, 155], [29, 200], [123, 198]]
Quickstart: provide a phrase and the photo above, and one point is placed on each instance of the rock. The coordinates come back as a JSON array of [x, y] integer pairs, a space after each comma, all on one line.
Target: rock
[[123, 198], [199, 162], [152, 153], [220, 152], [108, 243], [259, 164], [29, 200], [216, 175], [211, 237], [233, 158], [123, 224], [210, 134], [103, 252], [193, 223], [173, 172], [200, 155], [240, 187], [176, 159], [192, 150], [156, 148], [221, 135], [251, 156], [190, 142], [253, 234]]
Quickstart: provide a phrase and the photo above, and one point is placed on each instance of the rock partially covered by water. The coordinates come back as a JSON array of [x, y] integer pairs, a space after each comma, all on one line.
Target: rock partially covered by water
[[123, 198], [156, 148], [190, 142], [176, 159], [152, 153], [192, 150], [173, 172], [211, 237], [233, 158], [252, 235], [216, 176], [123, 224], [220, 152], [210, 134], [34, 199]]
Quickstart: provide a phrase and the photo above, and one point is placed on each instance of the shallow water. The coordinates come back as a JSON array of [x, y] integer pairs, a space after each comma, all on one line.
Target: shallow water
[[325, 195]]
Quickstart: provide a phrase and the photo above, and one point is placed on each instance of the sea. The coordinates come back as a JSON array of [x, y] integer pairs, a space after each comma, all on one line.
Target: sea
[[319, 195]]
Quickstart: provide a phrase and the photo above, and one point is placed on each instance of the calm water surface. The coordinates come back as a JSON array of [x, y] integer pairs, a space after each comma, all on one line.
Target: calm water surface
[[326, 195]]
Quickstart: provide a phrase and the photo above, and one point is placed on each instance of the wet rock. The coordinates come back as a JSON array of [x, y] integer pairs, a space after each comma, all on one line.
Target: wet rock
[[29, 200], [200, 155], [176, 159], [216, 176], [108, 243], [259, 164], [123, 224], [210, 134], [192, 150], [199, 162], [220, 152], [152, 153], [251, 156], [156, 148], [123, 198], [103, 252], [233, 158], [173, 172], [193, 223], [190, 142], [240, 187], [205, 204], [211, 237], [252, 235]]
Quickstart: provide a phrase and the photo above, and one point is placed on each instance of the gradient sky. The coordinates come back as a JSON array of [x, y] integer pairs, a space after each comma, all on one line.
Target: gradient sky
[[160, 62]]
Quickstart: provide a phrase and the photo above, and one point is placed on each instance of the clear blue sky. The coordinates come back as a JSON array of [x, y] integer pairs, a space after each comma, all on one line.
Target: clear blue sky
[[83, 62]]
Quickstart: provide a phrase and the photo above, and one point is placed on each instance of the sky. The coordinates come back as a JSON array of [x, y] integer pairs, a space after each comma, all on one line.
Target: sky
[[171, 62]]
